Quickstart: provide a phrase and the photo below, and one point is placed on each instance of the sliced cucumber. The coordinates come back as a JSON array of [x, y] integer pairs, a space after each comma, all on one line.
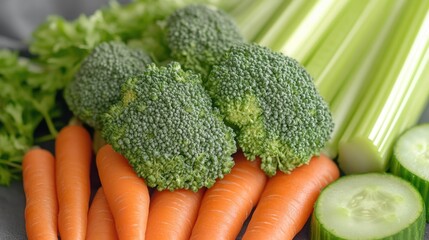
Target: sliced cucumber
[[369, 206], [411, 159]]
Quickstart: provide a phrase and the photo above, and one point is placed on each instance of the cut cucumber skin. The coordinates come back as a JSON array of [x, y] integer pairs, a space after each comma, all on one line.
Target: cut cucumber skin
[[419, 183], [396, 168], [414, 231]]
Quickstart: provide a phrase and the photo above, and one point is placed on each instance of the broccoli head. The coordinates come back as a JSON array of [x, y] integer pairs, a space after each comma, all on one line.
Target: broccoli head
[[97, 83], [199, 34], [167, 128], [272, 103]]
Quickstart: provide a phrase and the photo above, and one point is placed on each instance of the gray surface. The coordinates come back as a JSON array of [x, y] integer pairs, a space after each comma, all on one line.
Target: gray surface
[[12, 204]]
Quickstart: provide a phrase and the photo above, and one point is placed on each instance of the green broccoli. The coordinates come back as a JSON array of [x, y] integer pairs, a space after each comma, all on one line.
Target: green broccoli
[[167, 128], [199, 34], [97, 83], [272, 103]]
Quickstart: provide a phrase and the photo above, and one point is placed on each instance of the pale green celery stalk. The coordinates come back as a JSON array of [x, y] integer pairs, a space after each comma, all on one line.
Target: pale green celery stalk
[[397, 95], [306, 37], [345, 46], [252, 16], [329, 47], [226, 5], [283, 22], [299, 29], [348, 97]]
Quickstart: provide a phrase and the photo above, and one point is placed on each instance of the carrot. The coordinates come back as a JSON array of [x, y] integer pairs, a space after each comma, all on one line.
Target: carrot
[[288, 199], [172, 214], [101, 225], [126, 193], [73, 150], [227, 204], [41, 206]]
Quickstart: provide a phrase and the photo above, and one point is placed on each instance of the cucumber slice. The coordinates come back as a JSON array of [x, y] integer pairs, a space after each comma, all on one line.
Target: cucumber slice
[[410, 159], [369, 206]]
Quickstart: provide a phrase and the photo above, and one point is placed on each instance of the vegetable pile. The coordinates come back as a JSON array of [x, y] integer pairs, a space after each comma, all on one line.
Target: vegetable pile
[[132, 210], [202, 118], [177, 122]]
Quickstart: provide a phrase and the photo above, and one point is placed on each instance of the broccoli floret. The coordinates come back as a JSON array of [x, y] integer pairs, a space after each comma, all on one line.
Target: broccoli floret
[[199, 34], [273, 104], [97, 83], [167, 128]]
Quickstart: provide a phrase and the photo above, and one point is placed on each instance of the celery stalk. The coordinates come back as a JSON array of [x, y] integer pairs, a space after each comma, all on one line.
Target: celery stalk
[[396, 94], [312, 29], [284, 22], [299, 28], [226, 5], [340, 29], [245, 13], [345, 47], [349, 95], [286, 13]]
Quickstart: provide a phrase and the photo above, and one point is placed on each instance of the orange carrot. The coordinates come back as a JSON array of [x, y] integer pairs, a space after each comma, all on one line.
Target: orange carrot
[[227, 204], [172, 214], [288, 199], [41, 206], [101, 225], [73, 150], [126, 193]]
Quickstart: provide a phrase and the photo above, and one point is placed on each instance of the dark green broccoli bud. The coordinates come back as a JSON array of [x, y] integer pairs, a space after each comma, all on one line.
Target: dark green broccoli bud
[[97, 83], [199, 34], [167, 128], [273, 104]]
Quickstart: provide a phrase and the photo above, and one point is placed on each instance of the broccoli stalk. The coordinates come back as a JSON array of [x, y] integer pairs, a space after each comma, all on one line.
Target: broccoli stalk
[[273, 104], [167, 128]]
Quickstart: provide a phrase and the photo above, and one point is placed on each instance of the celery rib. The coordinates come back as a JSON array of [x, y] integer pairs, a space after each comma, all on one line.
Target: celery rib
[[249, 24], [285, 14], [332, 73], [311, 29], [395, 98], [298, 29], [348, 96]]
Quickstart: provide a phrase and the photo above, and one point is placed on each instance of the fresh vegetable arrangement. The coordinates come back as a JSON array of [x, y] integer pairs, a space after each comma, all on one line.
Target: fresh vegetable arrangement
[[208, 120]]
